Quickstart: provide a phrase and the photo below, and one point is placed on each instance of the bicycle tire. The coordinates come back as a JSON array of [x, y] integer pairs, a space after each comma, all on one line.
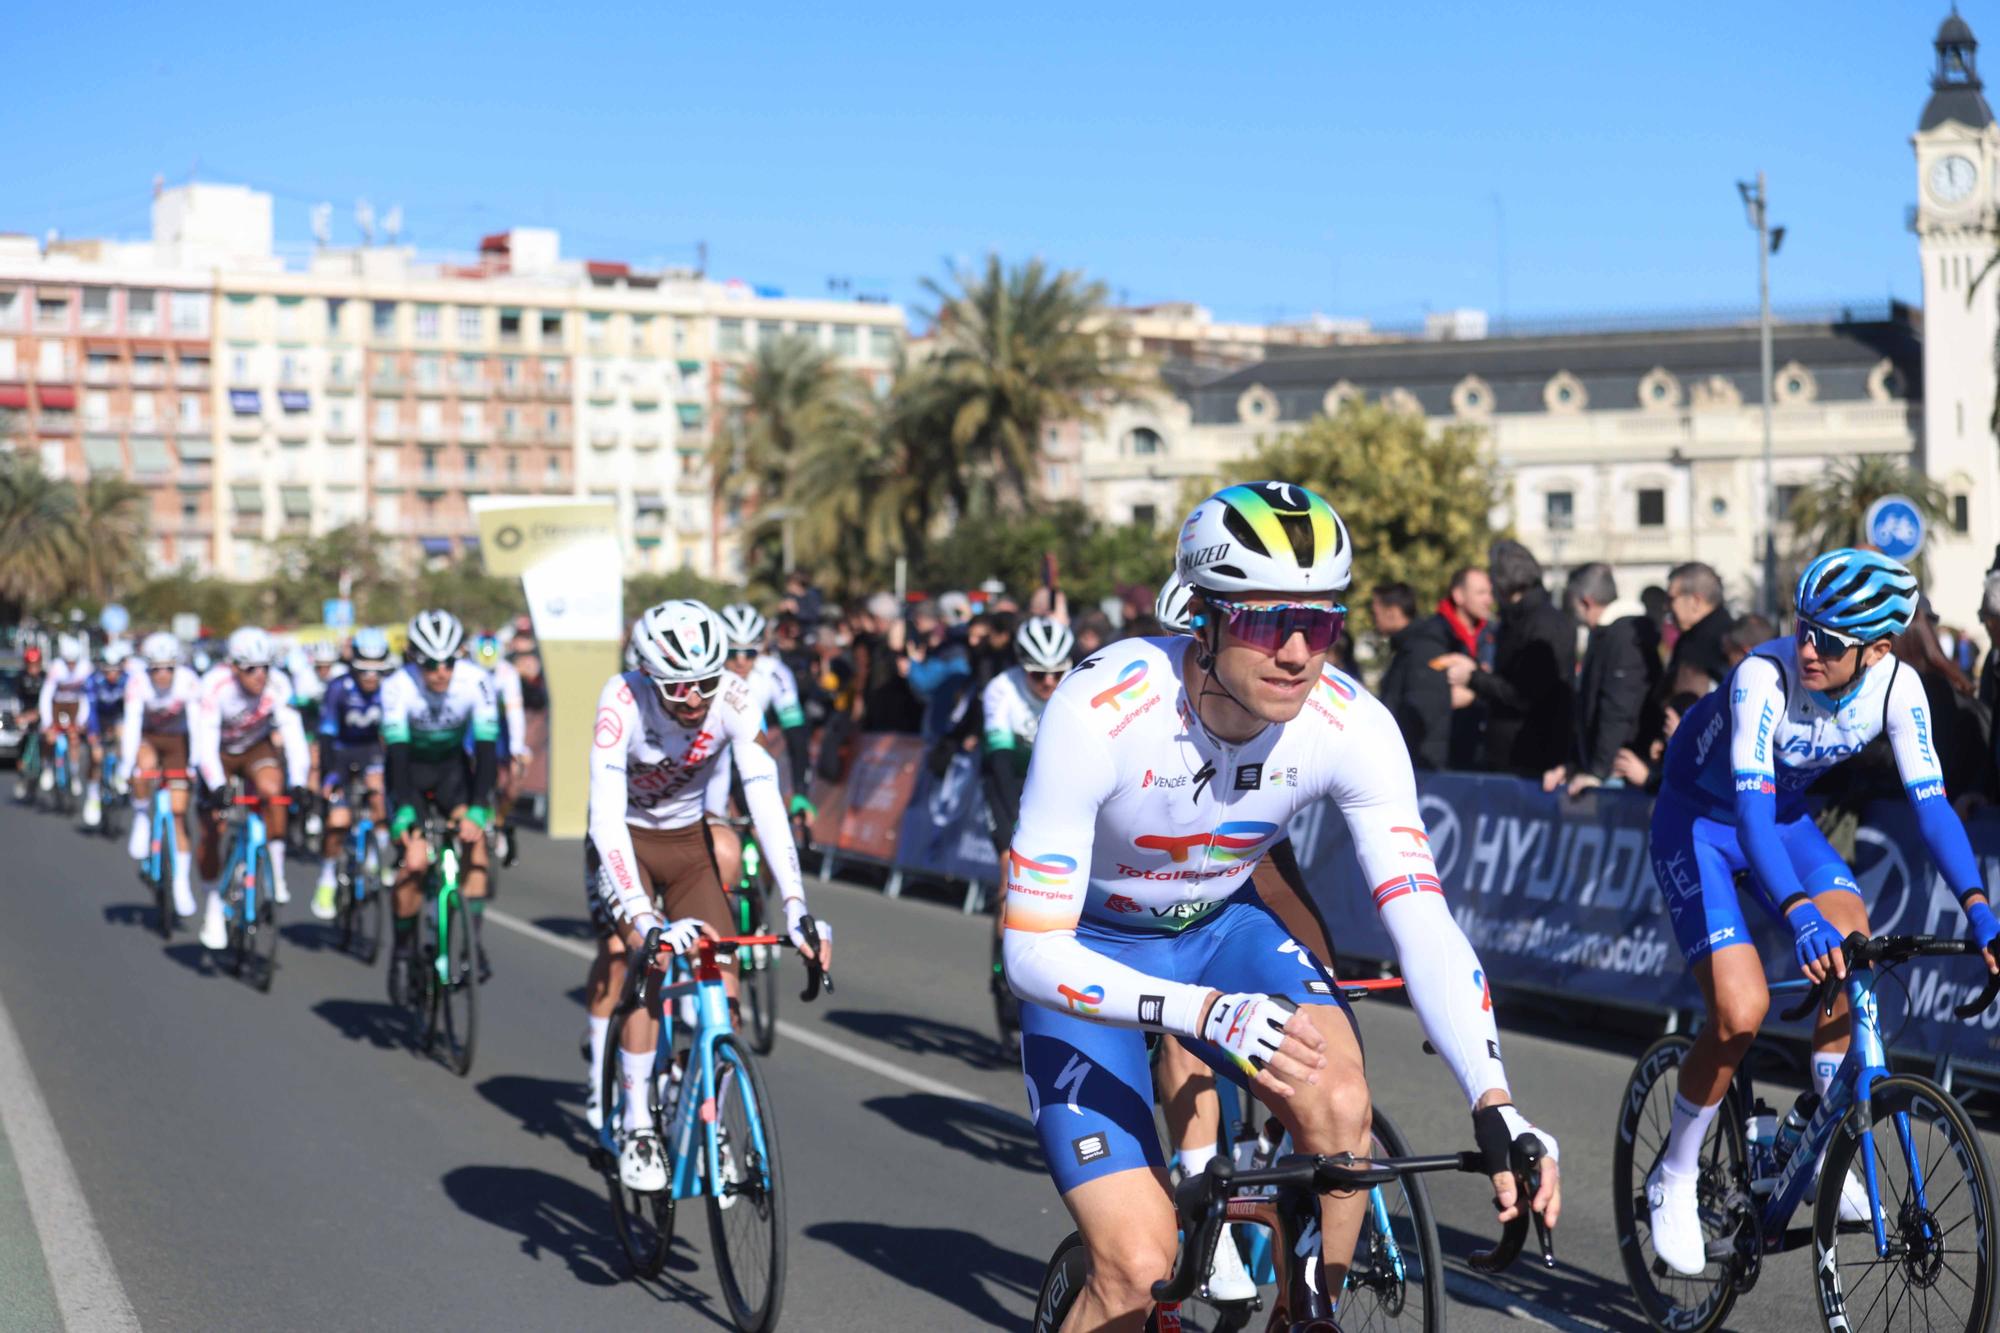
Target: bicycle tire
[[759, 1206], [1685, 1305], [644, 1222], [366, 924], [1970, 1192], [263, 933], [457, 991], [1416, 1238], [759, 987], [1062, 1281], [163, 885]]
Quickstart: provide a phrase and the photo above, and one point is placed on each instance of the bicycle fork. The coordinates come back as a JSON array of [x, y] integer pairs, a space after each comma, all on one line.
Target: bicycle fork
[[447, 890]]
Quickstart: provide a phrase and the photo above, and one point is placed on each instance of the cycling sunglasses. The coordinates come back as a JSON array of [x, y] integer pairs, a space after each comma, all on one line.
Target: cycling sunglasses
[[683, 693], [1046, 675], [1825, 642], [433, 663], [743, 652], [1269, 627]]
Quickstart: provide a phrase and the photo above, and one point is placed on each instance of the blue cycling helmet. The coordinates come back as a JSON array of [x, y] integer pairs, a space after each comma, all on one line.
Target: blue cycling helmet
[[371, 649], [1862, 594]]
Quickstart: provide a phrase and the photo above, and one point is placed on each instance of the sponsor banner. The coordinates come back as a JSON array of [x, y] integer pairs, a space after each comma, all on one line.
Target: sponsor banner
[[947, 831], [880, 783]]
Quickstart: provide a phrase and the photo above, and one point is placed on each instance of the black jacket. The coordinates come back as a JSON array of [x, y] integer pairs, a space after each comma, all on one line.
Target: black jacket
[[1531, 690], [1621, 668], [1418, 697]]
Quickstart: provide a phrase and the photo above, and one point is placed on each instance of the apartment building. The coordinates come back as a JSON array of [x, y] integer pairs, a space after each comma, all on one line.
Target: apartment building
[[256, 398]]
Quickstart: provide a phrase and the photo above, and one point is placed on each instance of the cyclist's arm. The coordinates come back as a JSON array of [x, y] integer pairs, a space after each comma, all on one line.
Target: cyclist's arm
[[205, 734], [1911, 732], [485, 726], [396, 752], [1002, 756], [90, 727], [128, 735], [47, 702], [516, 711], [292, 737], [1756, 707], [766, 804], [328, 731], [1048, 878], [618, 881]]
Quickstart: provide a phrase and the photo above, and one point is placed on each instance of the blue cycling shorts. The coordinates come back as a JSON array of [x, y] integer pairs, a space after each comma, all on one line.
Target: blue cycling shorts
[[1090, 1085], [1696, 860]]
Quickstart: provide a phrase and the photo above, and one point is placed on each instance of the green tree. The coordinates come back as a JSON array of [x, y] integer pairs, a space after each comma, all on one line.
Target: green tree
[[1094, 560], [38, 534], [644, 590], [1833, 511], [465, 589], [112, 517], [220, 604], [1417, 502], [309, 569]]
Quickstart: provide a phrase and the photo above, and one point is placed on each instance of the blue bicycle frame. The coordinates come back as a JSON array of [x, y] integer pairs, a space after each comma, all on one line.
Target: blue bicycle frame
[[161, 814], [246, 852], [60, 761]]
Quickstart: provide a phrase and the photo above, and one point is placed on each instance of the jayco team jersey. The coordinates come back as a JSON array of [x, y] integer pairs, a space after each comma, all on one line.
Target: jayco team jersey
[[435, 725], [104, 700], [1012, 712], [62, 686], [1745, 754], [153, 711], [350, 716], [649, 771], [1136, 819], [225, 720], [773, 688]]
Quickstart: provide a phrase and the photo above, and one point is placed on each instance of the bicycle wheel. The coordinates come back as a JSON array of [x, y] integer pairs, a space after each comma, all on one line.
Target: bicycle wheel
[[1937, 1203], [1668, 1300], [262, 934], [363, 921], [746, 1208], [1397, 1279], [1061, 1281], [644, 1222], [457, 988]]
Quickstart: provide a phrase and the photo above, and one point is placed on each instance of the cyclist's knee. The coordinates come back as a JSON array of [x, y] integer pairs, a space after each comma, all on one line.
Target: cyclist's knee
[[1739, 1014], [1125, 1265]]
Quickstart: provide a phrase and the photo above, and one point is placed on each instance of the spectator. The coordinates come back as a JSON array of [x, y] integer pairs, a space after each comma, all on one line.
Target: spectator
[[1744, 636], [1694, 595], [1956, 717], [1530, 691], [1418, 697], [1621, 669], [1462, 624], [534, 689], [939, 667], [1093, 630], [885, 701], [1989, 672]]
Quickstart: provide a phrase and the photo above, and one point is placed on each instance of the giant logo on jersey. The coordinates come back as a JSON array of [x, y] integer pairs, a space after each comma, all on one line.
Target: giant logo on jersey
[[1238, 840]]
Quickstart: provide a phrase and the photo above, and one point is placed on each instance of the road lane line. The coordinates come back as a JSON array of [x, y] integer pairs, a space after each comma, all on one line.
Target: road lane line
[[88, 1293], [802, 1035]]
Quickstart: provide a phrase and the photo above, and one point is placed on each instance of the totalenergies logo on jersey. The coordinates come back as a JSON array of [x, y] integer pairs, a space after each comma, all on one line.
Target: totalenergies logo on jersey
[[1083, 1001], [1051, 868], [1331, 696], [1237, 840], [1127, 689]]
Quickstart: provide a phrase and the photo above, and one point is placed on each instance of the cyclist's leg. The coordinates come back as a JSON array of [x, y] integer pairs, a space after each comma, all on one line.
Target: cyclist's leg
[[171, 754], [1827, 878], [606, 981], [1188, 1102], [728, 846], [333, 837], [147, 760], [680, 867], [267, 781]]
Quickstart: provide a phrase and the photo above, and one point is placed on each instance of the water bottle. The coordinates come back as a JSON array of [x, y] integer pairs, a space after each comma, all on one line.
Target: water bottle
[[1760, 1134], [1794, 1126]]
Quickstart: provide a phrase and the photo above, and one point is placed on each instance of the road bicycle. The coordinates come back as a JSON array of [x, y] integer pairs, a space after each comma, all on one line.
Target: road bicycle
[[758, 964], [357, 882], [28, 764], [165, 847], [715, 1122], [441, 987], [1924, 1258], [249, 888], [62, 783], [1284, 1200]]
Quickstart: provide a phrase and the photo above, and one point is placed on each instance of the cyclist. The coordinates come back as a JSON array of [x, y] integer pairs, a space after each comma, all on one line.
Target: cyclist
[[243, 726], [1733, 799], [154, 739], [311, 669], [773, 690], [1164, 767], [104, 714], [28, 698], [428, 709], [350, 734], [1170, 608], [62, 703], [511, 753], [660, 732]]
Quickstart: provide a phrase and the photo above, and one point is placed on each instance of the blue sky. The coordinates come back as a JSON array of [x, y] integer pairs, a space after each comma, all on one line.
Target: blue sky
[[1350, 158]]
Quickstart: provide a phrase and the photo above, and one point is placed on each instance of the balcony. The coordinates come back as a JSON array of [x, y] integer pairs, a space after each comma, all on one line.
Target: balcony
[[245, 428], [431, 432], [556, 391], [341, 380], [148, 426], [437, 388], [389, 432], [474, 433], [519, 435], [645, 394], [149, 371], [603, 394], [340, 430], [516, 392], [195, 474], [472, 388], [388, 381], [191, 374], [56, 422], [295, 426], [96, 371], [646, 439], [690, 485], [603, 437]]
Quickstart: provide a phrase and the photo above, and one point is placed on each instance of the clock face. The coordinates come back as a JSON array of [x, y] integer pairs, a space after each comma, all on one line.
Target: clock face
[[1952, 178]]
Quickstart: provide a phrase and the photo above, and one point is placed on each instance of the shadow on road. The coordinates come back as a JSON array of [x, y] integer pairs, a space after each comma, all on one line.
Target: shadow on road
[[130, 914], [553, 1216], [966, 1127], [194, 958], [954, 1266], [312, 936], [383, 1026], [569, 927], [1596, 1301], [925, 1036], [548, 1108]]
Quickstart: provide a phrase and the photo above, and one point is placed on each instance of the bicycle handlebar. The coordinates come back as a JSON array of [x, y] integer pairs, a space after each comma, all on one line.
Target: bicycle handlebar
[[1201, 1202], [1860, 951], [817, 977]]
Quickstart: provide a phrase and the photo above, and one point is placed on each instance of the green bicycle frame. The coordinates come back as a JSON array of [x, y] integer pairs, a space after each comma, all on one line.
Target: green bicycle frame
[[447, 890]]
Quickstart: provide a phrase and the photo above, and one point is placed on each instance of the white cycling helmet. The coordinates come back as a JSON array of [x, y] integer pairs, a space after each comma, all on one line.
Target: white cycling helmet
[[1265, 536], [632, 645], [323, 652], [371, 649], [1044, 644], [161, 649], [249, 647], [680, 641], [1170, 608], [435, 636], [69, 647], [114, 652], [743, 625]]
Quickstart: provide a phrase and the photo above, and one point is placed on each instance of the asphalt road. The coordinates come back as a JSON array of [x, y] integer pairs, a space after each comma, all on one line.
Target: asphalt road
[[284, 1161]]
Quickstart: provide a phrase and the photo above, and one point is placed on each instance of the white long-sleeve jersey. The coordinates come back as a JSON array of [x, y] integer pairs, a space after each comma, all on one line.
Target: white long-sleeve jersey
[[1136, 819], [513, 713], [63, 682], [648, 771], [226, 720], [160, 712]]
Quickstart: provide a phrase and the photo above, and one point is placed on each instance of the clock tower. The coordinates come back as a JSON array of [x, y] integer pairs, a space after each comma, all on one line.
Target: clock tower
[[1958, 157]]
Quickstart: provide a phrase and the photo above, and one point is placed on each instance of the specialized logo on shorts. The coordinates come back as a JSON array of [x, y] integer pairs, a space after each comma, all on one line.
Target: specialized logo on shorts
[[1152, 1009], [1127, 689], [1237, 840], [1083, 1001], [1404, 885], [610, 730]]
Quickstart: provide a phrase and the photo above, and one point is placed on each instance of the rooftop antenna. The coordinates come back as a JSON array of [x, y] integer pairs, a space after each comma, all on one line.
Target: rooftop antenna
[[322, 225], [159, 184], [392, 223], [364, 218]]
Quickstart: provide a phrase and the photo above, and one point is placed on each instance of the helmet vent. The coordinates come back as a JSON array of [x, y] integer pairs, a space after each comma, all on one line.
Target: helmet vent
[[1239, 528]]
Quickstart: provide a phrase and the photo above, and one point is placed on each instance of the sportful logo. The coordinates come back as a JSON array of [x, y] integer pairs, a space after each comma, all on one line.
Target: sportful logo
[[1237, 840], [1083, 1001], [1131, 683]]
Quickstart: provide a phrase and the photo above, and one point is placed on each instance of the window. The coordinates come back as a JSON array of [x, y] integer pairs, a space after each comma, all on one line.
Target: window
[[97, 409], [846, 340], [239, 367], [555, 471], [430, 372], [145, 409], [470, 420], [552, 375], [471, 323], [288, 317], [385, 419], [1652, 507], [729, 335], [552, 321], [1146, 442], [1559, 511], [430, 462], [192, 373], [96, 308], [597, 325], [142, 311], [336, 417], [769, 331], [430, 419], [52, 312], [9, 368], [384, 319], [334, 305], [510, 371], [97, 367], [468, 371], [52, 361], [473, 463], [10, 308], [190, 412], [882, 344], [190, 313], [552, 419], [429, 323], [513, 469], [510, 326], [642, 333], [1145, 515], [1961, 517], [680, 336], [1788, 496]]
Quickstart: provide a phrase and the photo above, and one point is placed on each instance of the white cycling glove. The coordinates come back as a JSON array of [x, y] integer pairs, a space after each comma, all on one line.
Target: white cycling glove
[[680, 936], [795, 912], [1494, 1129], [1249, 1028]]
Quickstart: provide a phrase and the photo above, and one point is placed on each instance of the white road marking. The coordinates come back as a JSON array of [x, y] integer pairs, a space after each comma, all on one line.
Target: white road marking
[[88, 1294], [792, 1031]]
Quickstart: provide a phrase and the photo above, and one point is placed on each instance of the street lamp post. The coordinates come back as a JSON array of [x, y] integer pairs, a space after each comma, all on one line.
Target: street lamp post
[[1755, 202]]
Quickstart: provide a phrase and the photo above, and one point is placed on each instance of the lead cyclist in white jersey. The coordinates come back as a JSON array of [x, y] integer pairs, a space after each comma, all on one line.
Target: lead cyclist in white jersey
[[1163, 768]]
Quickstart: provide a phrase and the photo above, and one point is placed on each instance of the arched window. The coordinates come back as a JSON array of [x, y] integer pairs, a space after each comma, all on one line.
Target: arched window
[[1145, 442]]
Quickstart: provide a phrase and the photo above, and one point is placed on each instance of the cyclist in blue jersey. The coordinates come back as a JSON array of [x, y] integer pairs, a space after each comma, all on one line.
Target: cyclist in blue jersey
[[350, 734], [1733, 800], [104, 715]]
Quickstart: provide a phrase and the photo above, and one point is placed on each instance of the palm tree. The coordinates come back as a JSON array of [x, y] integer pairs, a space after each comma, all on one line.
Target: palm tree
[[111, 519], [1833, 511], [1017, 350], [38, 547]]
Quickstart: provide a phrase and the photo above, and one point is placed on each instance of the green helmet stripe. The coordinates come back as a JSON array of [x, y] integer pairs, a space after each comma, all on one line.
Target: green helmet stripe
[[1262, 516]]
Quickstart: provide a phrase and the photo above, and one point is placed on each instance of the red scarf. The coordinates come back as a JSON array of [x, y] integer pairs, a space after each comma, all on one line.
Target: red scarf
[[1468, 633]]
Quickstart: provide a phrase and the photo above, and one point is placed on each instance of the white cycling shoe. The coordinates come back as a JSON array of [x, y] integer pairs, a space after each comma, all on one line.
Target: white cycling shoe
[[1228, 1280], [184, 904], [139, 842], [93, 812], [640, 1166], [1853, 1199], [593, 1109], [214, 930], [1675, 1209]]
